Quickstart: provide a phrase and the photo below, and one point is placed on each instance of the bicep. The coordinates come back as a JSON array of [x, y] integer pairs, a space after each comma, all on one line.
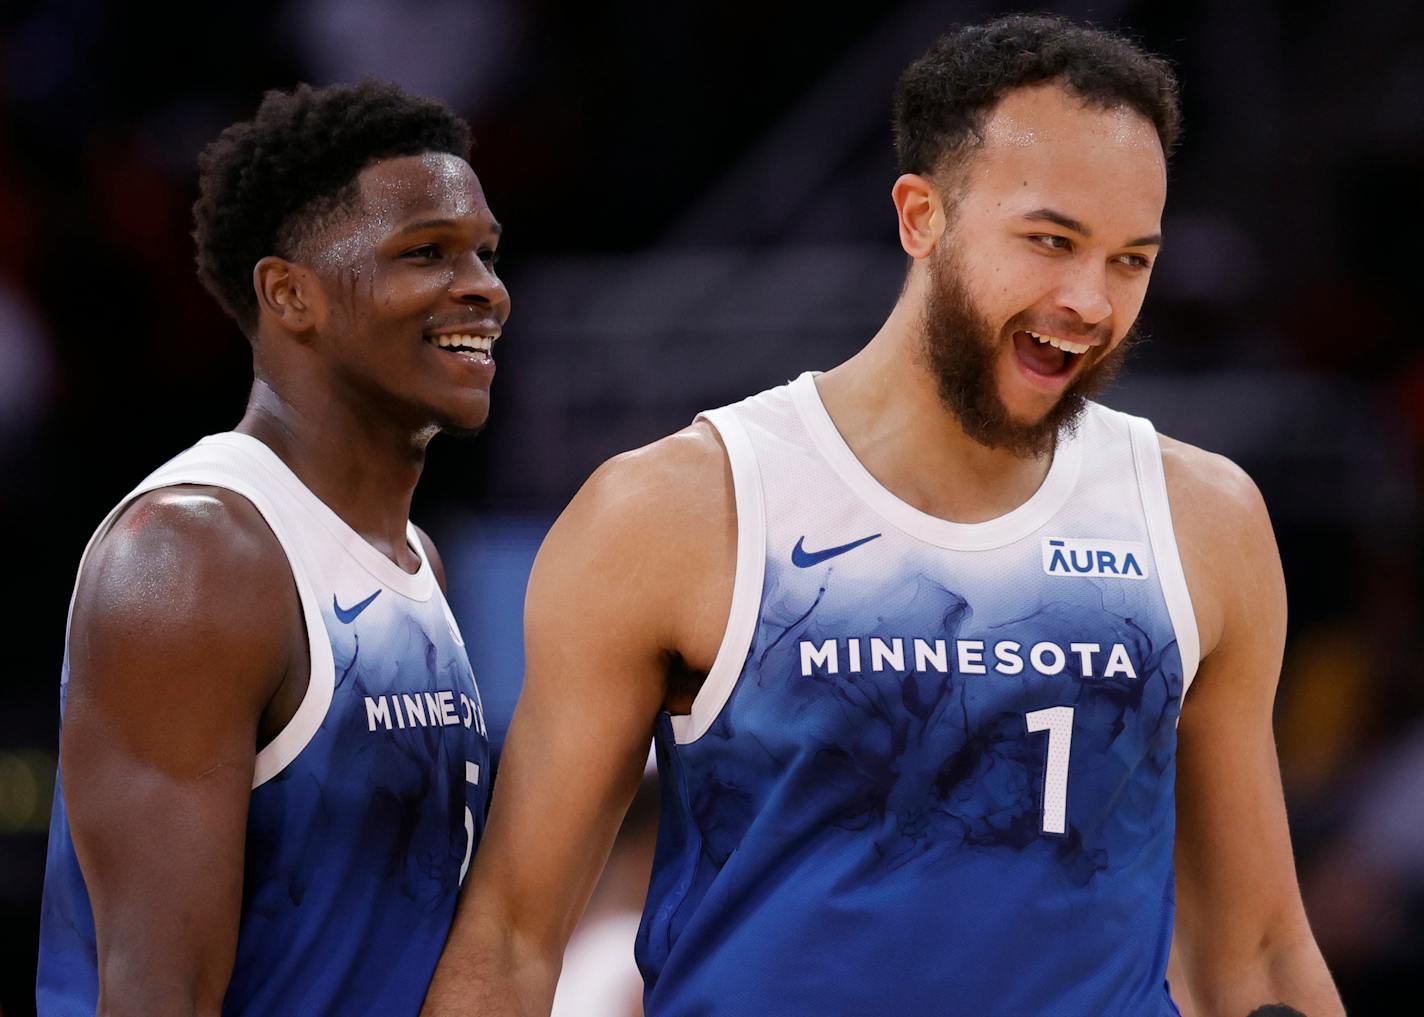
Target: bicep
[[626, 582], [1236, 885], [162, 855], [1234, 867], [173, 654], [593, 685]]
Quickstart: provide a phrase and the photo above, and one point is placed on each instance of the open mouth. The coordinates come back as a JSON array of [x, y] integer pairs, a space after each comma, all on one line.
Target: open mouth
[[1048, 355], [476, 348]]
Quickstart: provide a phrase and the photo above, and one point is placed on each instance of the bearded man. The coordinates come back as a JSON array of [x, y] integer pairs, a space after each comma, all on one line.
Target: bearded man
[[913, 636]]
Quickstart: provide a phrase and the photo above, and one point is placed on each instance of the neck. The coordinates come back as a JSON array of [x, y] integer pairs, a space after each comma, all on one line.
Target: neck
[[886, 404], [365, 473]]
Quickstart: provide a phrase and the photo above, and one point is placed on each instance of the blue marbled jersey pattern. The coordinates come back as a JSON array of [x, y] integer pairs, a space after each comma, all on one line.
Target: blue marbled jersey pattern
[[351, 916], [854, 840]]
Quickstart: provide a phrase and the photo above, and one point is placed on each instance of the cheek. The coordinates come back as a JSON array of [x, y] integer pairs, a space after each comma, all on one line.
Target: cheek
[[1011, 281], [1127, 295], [397, 291], [353, 289]]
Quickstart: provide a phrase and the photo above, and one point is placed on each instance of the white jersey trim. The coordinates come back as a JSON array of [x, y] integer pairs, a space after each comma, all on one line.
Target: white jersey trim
[[746, 584], [1157, 509], [281, 751], [417, 585], [1057, 486]]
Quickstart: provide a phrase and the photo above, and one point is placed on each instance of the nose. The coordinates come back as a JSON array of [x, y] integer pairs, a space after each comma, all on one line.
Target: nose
[[1085, 292], [475, 282]]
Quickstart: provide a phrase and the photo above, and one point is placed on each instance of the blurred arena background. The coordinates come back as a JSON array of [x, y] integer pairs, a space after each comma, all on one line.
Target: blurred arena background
[[696, 207]]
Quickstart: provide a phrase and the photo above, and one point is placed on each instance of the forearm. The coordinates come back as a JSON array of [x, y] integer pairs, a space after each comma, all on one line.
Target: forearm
[[489, 970]]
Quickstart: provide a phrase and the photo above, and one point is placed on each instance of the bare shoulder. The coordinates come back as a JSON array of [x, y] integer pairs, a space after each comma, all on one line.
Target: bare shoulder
[[651, 536], [687, 467], [191, 567], [1208, 482], [675, 491], [1224, 534], [186, 534]]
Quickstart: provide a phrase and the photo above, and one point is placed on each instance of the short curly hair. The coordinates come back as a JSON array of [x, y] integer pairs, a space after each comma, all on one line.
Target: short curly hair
[[266, 185], [945, 97]]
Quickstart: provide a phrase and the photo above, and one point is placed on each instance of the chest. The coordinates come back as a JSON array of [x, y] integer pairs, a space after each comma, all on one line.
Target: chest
[[915, 658], [405, 716]]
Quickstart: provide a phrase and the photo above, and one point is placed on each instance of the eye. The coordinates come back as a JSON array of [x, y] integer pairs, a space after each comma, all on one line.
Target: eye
[[1052, 241], [1135, 261], [423, 251], [489, 256]]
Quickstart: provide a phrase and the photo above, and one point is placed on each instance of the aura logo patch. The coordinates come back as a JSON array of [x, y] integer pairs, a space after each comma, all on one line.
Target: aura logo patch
[[1089, 557]]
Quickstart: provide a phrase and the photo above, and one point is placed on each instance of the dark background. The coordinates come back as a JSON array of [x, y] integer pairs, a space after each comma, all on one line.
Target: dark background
[[696, 203]]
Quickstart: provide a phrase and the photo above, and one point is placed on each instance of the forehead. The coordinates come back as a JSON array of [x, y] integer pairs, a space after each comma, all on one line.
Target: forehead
[[430, 185], [1043, 147]]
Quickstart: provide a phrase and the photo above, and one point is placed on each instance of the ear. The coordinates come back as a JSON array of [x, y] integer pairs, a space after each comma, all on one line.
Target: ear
[[288, 295], [921, 214]]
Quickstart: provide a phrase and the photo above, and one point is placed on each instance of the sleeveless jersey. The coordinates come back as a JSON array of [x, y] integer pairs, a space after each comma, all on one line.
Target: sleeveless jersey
[[365, 808], [931, 769]]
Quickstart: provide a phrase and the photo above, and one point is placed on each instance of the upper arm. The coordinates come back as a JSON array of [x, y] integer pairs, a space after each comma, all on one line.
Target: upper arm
[[179, 636], [620, 587], [1236, 888]]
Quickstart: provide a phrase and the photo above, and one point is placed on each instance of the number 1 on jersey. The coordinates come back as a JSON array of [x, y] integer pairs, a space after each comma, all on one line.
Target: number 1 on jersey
[[1058, 722]]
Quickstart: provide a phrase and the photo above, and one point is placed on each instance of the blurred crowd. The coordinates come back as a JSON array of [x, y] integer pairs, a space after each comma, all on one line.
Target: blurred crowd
[[695, 202]]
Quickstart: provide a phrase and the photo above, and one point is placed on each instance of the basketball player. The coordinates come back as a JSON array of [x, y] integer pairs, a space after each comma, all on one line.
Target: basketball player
[[915, 635], [273, 754]]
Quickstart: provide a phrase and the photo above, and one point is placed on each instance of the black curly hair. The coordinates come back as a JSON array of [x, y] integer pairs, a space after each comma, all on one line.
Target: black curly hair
[[945, 97], [266, 185]]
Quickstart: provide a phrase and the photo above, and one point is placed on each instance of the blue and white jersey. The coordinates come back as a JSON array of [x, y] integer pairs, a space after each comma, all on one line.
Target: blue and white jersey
[[365, 808], [931, 770]]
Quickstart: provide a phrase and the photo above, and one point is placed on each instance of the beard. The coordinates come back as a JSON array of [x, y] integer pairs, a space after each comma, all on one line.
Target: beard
[[961, 349]]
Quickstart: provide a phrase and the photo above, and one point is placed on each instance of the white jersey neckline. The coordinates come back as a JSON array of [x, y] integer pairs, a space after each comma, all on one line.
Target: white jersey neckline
[[1014, 525], [418, 585]]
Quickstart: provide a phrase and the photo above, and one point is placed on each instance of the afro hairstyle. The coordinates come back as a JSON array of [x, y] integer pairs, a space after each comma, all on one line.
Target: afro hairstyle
[[267, 184]]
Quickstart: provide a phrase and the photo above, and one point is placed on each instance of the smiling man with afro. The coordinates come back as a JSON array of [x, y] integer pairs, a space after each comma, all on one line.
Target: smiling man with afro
[[273, 754]]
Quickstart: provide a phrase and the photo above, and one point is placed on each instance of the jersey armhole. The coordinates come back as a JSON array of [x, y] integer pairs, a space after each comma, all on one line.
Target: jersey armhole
[[1152, 485], [746, 583], [278, 754]]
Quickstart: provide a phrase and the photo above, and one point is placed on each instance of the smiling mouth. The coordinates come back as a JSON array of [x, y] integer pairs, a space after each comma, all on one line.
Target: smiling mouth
[[472, 347], [1046, 354]]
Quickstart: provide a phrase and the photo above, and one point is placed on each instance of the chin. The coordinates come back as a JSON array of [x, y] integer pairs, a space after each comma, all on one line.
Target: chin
[[1029, 412], [466, 423]]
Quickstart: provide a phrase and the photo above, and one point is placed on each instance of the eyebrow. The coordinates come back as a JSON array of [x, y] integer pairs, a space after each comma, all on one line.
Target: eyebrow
[[1069, 223], [429, 224]]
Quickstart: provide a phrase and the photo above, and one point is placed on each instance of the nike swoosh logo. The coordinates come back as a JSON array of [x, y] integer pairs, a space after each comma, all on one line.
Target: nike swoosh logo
[[804, 559], [347, 615]]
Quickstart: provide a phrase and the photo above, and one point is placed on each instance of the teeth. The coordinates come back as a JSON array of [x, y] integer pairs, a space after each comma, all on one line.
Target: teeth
[[1061, 344], [472, 343]]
